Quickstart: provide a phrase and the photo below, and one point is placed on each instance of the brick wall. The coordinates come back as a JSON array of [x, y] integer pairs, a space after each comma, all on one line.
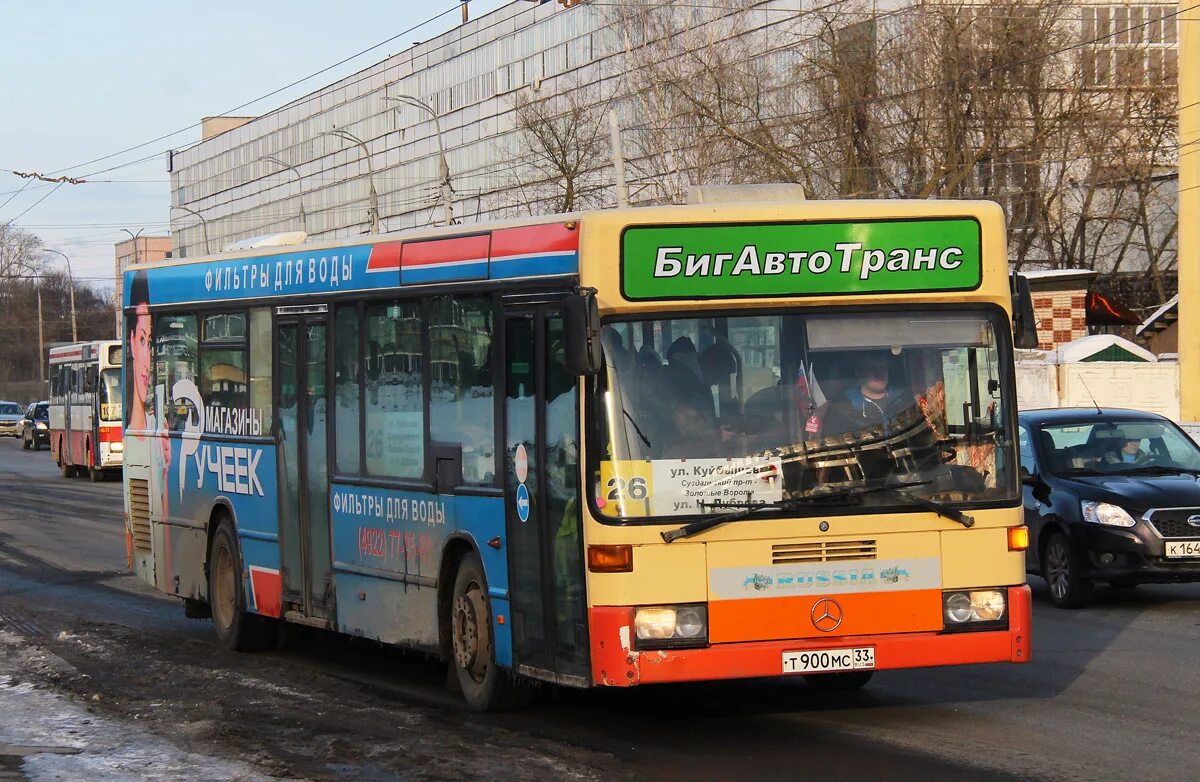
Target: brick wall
[[1061, 317]]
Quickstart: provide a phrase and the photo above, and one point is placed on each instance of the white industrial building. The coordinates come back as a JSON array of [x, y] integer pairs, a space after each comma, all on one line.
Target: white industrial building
[[312, 164]]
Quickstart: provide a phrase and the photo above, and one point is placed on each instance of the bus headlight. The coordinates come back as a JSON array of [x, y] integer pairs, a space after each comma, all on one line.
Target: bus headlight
[[660, 627], [117, 447], [980, 609]]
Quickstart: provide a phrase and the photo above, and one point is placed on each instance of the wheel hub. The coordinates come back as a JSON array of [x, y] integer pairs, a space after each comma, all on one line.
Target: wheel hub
[[470, 634]]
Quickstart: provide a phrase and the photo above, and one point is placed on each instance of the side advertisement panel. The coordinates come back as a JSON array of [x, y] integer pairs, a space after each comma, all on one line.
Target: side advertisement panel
[[190, 477], [388, 548]]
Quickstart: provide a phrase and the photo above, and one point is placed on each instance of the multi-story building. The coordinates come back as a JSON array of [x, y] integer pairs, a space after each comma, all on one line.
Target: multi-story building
[[364, 154], [142, 249]]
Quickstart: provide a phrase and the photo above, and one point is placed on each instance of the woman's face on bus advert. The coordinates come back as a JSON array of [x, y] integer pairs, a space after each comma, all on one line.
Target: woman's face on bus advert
[[140, 349]]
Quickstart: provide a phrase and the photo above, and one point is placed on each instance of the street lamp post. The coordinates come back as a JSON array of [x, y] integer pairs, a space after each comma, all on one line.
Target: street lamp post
[[373, 204], [447, 190], [299, 183], [134, 237], [71, 281], [203, 224]]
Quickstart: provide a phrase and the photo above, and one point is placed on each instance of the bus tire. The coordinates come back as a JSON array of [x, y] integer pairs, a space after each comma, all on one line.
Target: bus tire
[[68, 470], [485, 686], [839, 682], [237, 629]]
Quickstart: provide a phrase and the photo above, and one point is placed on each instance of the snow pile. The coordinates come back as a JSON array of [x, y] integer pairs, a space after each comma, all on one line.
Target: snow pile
[[79, 744]]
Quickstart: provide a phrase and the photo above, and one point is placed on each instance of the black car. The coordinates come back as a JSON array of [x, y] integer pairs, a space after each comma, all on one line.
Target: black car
[[1110, 496], [35, 426]]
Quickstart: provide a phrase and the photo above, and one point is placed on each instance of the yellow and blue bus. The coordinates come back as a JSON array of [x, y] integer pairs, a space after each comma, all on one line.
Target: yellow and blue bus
[[601, 449]]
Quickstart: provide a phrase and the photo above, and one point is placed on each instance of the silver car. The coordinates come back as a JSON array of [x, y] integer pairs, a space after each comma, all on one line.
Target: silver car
[[10, 419]]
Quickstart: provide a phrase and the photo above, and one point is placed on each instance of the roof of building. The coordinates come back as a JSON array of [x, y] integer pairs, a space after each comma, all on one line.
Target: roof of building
[[1057, 274], [1162, 318], [1101, 347]]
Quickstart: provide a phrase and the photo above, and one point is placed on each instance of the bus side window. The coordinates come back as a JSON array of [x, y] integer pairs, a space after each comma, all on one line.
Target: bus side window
[[394, 414], [261, 363], [462, 392]]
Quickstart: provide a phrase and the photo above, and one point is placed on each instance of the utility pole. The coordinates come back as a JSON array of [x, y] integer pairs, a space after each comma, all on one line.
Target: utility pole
[[373, 201], [71, 281], [299, 184], [134, 237], [203, 225], [41, 335], [121, 276], [618, 156], [443, 163], [1188, 24]]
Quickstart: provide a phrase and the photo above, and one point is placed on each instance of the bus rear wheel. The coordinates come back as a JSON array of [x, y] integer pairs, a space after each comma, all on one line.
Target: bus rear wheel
[[484, 684], [68, 470], [237, 629]]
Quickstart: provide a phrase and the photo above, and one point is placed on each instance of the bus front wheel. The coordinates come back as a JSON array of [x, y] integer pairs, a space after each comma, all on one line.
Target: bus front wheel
[[237, 629], [485, 685]]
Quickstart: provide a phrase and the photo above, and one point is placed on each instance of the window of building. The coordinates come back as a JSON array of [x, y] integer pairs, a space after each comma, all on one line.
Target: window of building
[[1129, 46], [461, 396]]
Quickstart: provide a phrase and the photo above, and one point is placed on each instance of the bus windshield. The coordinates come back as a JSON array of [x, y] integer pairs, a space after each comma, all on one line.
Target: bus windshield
[[698, 415], [110, 395]]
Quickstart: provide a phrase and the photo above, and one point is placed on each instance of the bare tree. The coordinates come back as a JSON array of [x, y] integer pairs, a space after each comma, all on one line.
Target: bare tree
[[562, 152], [20, 251]]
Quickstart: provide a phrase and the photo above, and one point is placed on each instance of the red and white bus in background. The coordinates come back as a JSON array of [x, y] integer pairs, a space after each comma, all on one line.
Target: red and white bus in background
[[85, 408]]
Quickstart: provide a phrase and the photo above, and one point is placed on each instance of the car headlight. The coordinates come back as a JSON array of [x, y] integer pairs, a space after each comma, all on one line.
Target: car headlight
[[41, 425], [1107, 514], [978, 609], [658, 627]]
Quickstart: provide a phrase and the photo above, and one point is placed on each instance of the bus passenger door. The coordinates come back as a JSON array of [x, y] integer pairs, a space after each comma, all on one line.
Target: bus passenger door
[[304, 484], [545, 555]]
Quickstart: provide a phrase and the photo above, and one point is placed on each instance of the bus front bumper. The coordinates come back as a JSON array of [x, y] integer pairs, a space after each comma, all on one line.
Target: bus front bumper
[[616, 664]]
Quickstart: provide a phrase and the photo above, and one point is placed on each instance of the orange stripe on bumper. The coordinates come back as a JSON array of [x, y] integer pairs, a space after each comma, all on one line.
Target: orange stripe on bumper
[[616, 664], [765, 619]]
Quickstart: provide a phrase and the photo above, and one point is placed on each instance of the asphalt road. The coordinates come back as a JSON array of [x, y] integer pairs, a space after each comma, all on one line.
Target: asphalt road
[[1111, 693]]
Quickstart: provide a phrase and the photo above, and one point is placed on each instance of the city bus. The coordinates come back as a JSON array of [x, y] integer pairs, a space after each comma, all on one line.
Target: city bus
[[613, 448], [85, 408]]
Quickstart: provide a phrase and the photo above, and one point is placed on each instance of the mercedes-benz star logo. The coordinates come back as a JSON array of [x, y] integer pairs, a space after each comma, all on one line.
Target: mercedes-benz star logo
[[826, 615]]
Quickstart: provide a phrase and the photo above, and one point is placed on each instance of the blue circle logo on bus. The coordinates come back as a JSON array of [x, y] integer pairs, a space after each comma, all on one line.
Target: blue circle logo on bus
[[522, 503]]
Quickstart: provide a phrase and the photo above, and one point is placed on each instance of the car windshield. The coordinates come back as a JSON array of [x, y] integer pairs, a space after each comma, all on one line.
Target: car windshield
[[695, 415], [110, 395], [41, 412], [8, 408], [1117, 446]]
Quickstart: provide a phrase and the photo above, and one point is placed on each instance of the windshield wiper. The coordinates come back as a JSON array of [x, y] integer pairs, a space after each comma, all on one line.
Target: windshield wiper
[[940, 508], [637, 428], [749, 508]]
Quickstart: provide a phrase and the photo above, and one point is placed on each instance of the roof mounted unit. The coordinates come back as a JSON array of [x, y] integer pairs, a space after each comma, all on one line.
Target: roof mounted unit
[[741, 194], [270, 240]]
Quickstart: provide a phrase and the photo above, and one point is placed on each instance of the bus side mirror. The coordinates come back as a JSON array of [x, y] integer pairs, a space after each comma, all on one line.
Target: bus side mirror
[[581, 332], [1024, 321]]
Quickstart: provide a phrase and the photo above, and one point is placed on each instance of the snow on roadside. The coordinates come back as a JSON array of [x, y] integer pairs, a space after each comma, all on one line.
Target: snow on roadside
[[81, 744]]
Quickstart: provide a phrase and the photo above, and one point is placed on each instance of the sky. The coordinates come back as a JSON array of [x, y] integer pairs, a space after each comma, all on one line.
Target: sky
[[83, 80]]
